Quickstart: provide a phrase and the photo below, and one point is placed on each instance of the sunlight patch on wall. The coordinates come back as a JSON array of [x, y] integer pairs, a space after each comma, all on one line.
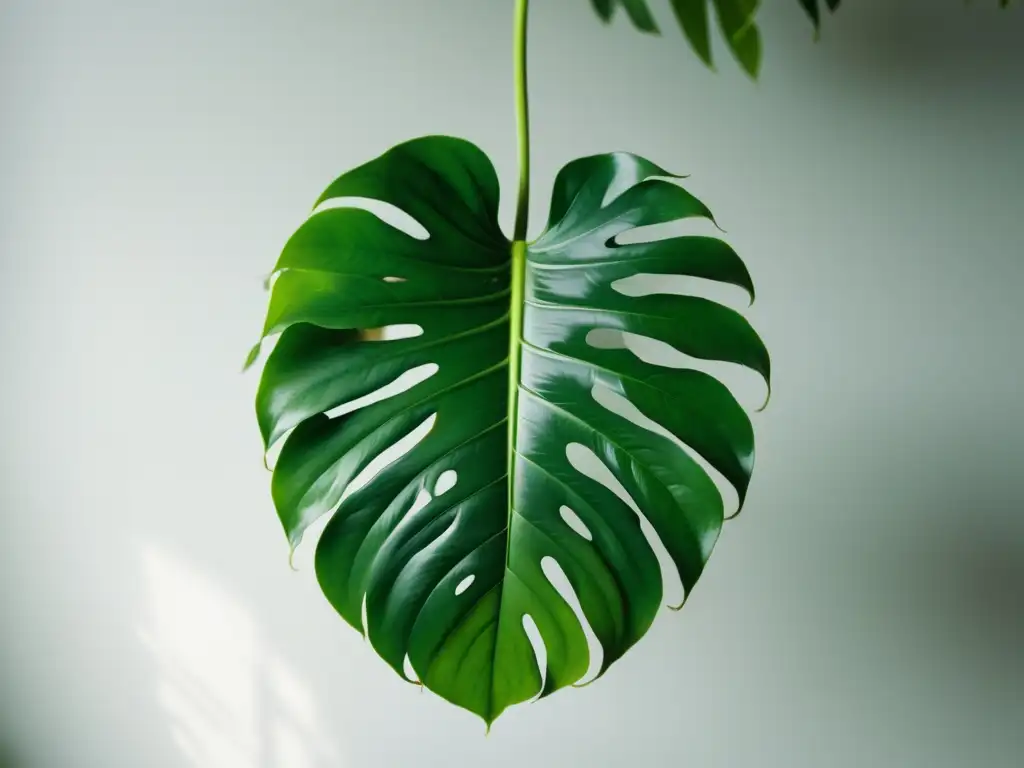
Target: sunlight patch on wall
[[230, 701]]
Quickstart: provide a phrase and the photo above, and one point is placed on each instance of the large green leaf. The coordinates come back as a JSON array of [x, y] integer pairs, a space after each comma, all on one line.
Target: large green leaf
[[441, 575]]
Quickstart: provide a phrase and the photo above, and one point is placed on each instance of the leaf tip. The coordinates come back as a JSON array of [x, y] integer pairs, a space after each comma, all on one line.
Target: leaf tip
[[252, 357], [739, 508], [679, 607], [582, 685]]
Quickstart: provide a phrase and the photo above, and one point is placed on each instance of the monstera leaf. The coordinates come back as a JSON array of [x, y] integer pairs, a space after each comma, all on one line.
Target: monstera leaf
[[735, 17], [446, 554]]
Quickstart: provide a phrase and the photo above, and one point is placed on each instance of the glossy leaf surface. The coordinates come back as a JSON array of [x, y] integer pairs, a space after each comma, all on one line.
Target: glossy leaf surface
[[441, 555]]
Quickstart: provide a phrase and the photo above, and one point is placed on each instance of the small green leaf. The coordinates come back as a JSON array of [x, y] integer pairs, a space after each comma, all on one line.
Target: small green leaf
[[637, 11], [604, 8], [735, 17], [692, 16], [811, 7], [640, 15]]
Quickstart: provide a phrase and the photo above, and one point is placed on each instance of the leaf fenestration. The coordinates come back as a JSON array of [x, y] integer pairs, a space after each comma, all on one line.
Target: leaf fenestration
[[446, 573]]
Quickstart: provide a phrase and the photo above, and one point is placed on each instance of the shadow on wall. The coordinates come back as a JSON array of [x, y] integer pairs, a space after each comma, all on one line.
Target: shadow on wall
[[914, 39], [230, 701], [7, 758], [974, 555], [946, 558]]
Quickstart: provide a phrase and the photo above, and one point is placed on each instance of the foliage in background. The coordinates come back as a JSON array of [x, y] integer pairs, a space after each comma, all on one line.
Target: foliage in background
[[736, 19]]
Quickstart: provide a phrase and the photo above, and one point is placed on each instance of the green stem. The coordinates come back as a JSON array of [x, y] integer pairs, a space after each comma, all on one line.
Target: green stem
[[515, 333], [517, 299], [522, 120]]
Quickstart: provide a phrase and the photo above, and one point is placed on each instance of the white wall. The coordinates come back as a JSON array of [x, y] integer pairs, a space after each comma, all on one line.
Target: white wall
[[865, 611]]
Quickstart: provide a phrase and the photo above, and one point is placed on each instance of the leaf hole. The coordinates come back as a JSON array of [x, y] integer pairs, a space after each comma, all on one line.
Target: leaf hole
[[622, 406], [620, 184], [446, 481], [402, 383], [647, 284], [588, 464], [409, 670], [465, 584], [624, 180], [540, 651], [747, 385], [433, 529], [422, 499], [392, 279], [554, 574], [386, 212], [573, 521], [390, 455], [399, 331], [652, 233], [606, 338]]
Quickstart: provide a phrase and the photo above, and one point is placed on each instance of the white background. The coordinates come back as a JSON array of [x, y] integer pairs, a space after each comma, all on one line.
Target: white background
[[865, 611]]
